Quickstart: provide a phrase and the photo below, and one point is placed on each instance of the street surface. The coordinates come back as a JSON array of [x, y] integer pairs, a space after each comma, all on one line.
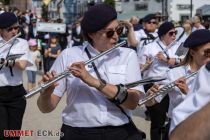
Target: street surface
[[47, 126]]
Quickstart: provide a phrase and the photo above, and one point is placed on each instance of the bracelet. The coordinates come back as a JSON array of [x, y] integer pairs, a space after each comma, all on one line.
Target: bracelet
[[10, 63], [177, 61], [102, 84], [121, 96]]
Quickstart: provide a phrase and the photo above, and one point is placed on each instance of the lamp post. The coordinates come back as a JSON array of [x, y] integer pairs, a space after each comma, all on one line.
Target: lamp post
[[191, 7]]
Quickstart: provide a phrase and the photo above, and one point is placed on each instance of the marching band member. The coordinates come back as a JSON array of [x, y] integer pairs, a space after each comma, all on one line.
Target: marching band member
[[148, 33], [164, 56], [198, 96], [196, 125], [192, 63], [12, 105], [93, 94]]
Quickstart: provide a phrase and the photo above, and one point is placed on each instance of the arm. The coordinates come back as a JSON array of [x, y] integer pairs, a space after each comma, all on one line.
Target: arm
[[195, 127], [47, 101], [109, 90], [131, 36]]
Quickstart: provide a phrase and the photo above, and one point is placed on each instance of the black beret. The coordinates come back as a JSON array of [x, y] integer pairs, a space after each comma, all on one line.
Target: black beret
[[98, 17], [197, 38], [164, 28], [149, 17], [7, 19]]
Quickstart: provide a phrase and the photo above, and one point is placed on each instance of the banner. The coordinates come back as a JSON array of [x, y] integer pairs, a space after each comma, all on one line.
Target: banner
[[51, 27]]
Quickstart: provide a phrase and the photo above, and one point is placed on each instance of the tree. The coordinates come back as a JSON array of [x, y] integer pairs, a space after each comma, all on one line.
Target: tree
[[110, 2], [5, 2], [45, 11]]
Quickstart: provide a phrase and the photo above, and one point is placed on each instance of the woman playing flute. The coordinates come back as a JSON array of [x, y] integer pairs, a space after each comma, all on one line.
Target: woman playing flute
[[93, 92]]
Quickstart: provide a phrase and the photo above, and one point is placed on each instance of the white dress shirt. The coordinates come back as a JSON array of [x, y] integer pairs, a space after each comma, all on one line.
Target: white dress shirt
[[86, 106], [197, 97], [157, 68], [176, 96], [20, 47], [139, 35]]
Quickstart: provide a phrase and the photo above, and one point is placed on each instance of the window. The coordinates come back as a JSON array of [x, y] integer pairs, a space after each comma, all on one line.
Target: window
[[142, 6]]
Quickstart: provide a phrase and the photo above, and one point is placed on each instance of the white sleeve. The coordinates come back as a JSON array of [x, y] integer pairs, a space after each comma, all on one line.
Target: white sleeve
[[198, 97]]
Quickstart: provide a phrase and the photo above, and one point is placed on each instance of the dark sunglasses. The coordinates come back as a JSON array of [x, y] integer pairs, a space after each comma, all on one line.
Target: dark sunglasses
[[172, 33], [207, 53], [12, 28], [152, 22], [118, 30]]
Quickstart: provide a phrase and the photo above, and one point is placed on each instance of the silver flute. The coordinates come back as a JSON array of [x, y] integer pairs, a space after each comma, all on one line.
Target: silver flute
[[163, 91], [11, 39], [67, 72]]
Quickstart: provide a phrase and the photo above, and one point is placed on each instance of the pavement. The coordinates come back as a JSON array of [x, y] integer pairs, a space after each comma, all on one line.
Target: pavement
[[46, 126]]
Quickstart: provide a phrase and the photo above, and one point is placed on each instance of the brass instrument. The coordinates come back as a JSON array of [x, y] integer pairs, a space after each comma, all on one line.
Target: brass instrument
[[67, 72], [11, 39], [163, 91]]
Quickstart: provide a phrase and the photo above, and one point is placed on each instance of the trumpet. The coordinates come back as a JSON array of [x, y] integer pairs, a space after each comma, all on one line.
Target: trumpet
[[163, 91], [67, 73], [11, 39]]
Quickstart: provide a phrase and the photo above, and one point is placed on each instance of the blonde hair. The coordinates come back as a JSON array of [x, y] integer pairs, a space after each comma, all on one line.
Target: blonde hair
[[187, 28]]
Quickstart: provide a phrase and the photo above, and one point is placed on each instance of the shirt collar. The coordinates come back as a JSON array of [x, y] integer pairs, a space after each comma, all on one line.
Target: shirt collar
[[92, 51]]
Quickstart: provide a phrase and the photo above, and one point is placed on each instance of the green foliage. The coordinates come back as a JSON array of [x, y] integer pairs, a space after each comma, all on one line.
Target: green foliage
[[110, 2], [44, 11], [5, 2]]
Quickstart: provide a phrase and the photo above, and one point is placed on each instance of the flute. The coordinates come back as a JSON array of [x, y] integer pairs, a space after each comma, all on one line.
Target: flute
[[163, 91], [67, 72], [11, 39]]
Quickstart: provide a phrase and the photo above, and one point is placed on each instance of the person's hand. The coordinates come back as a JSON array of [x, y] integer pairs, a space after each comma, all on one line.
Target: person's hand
[[126, 23], [78, 70], [161, 57], [182, 85], [46, 78], [153, 90]]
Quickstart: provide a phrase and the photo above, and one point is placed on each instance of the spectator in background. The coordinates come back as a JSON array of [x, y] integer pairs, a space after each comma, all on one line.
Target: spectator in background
[[197, 23], [62, 37], [52, 51], [32, 33], [77, 34], [36, 58]]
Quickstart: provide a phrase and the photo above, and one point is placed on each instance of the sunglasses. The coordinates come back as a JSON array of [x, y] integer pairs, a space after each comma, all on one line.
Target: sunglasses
[[207, 53], [118, 30], [152, 22], [12, 28], [172, 33]]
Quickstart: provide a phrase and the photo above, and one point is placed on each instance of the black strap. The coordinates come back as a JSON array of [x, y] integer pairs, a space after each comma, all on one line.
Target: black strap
[[10, 67], [93, 64], [163, 50], [99, 77]]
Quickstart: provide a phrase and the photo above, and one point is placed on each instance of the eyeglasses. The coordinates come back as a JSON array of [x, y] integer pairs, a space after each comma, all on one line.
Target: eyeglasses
[[118, 30], [172, 33], [12, 28], [152, 22], [207, 53]]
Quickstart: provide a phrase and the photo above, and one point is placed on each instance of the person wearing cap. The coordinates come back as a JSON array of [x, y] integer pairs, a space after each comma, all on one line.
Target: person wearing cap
[[148, 33], [36, 58], [12, 105], [200, 41], [163, 56], [97, 106], [192, 62], [195, 123], [146, 36]]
